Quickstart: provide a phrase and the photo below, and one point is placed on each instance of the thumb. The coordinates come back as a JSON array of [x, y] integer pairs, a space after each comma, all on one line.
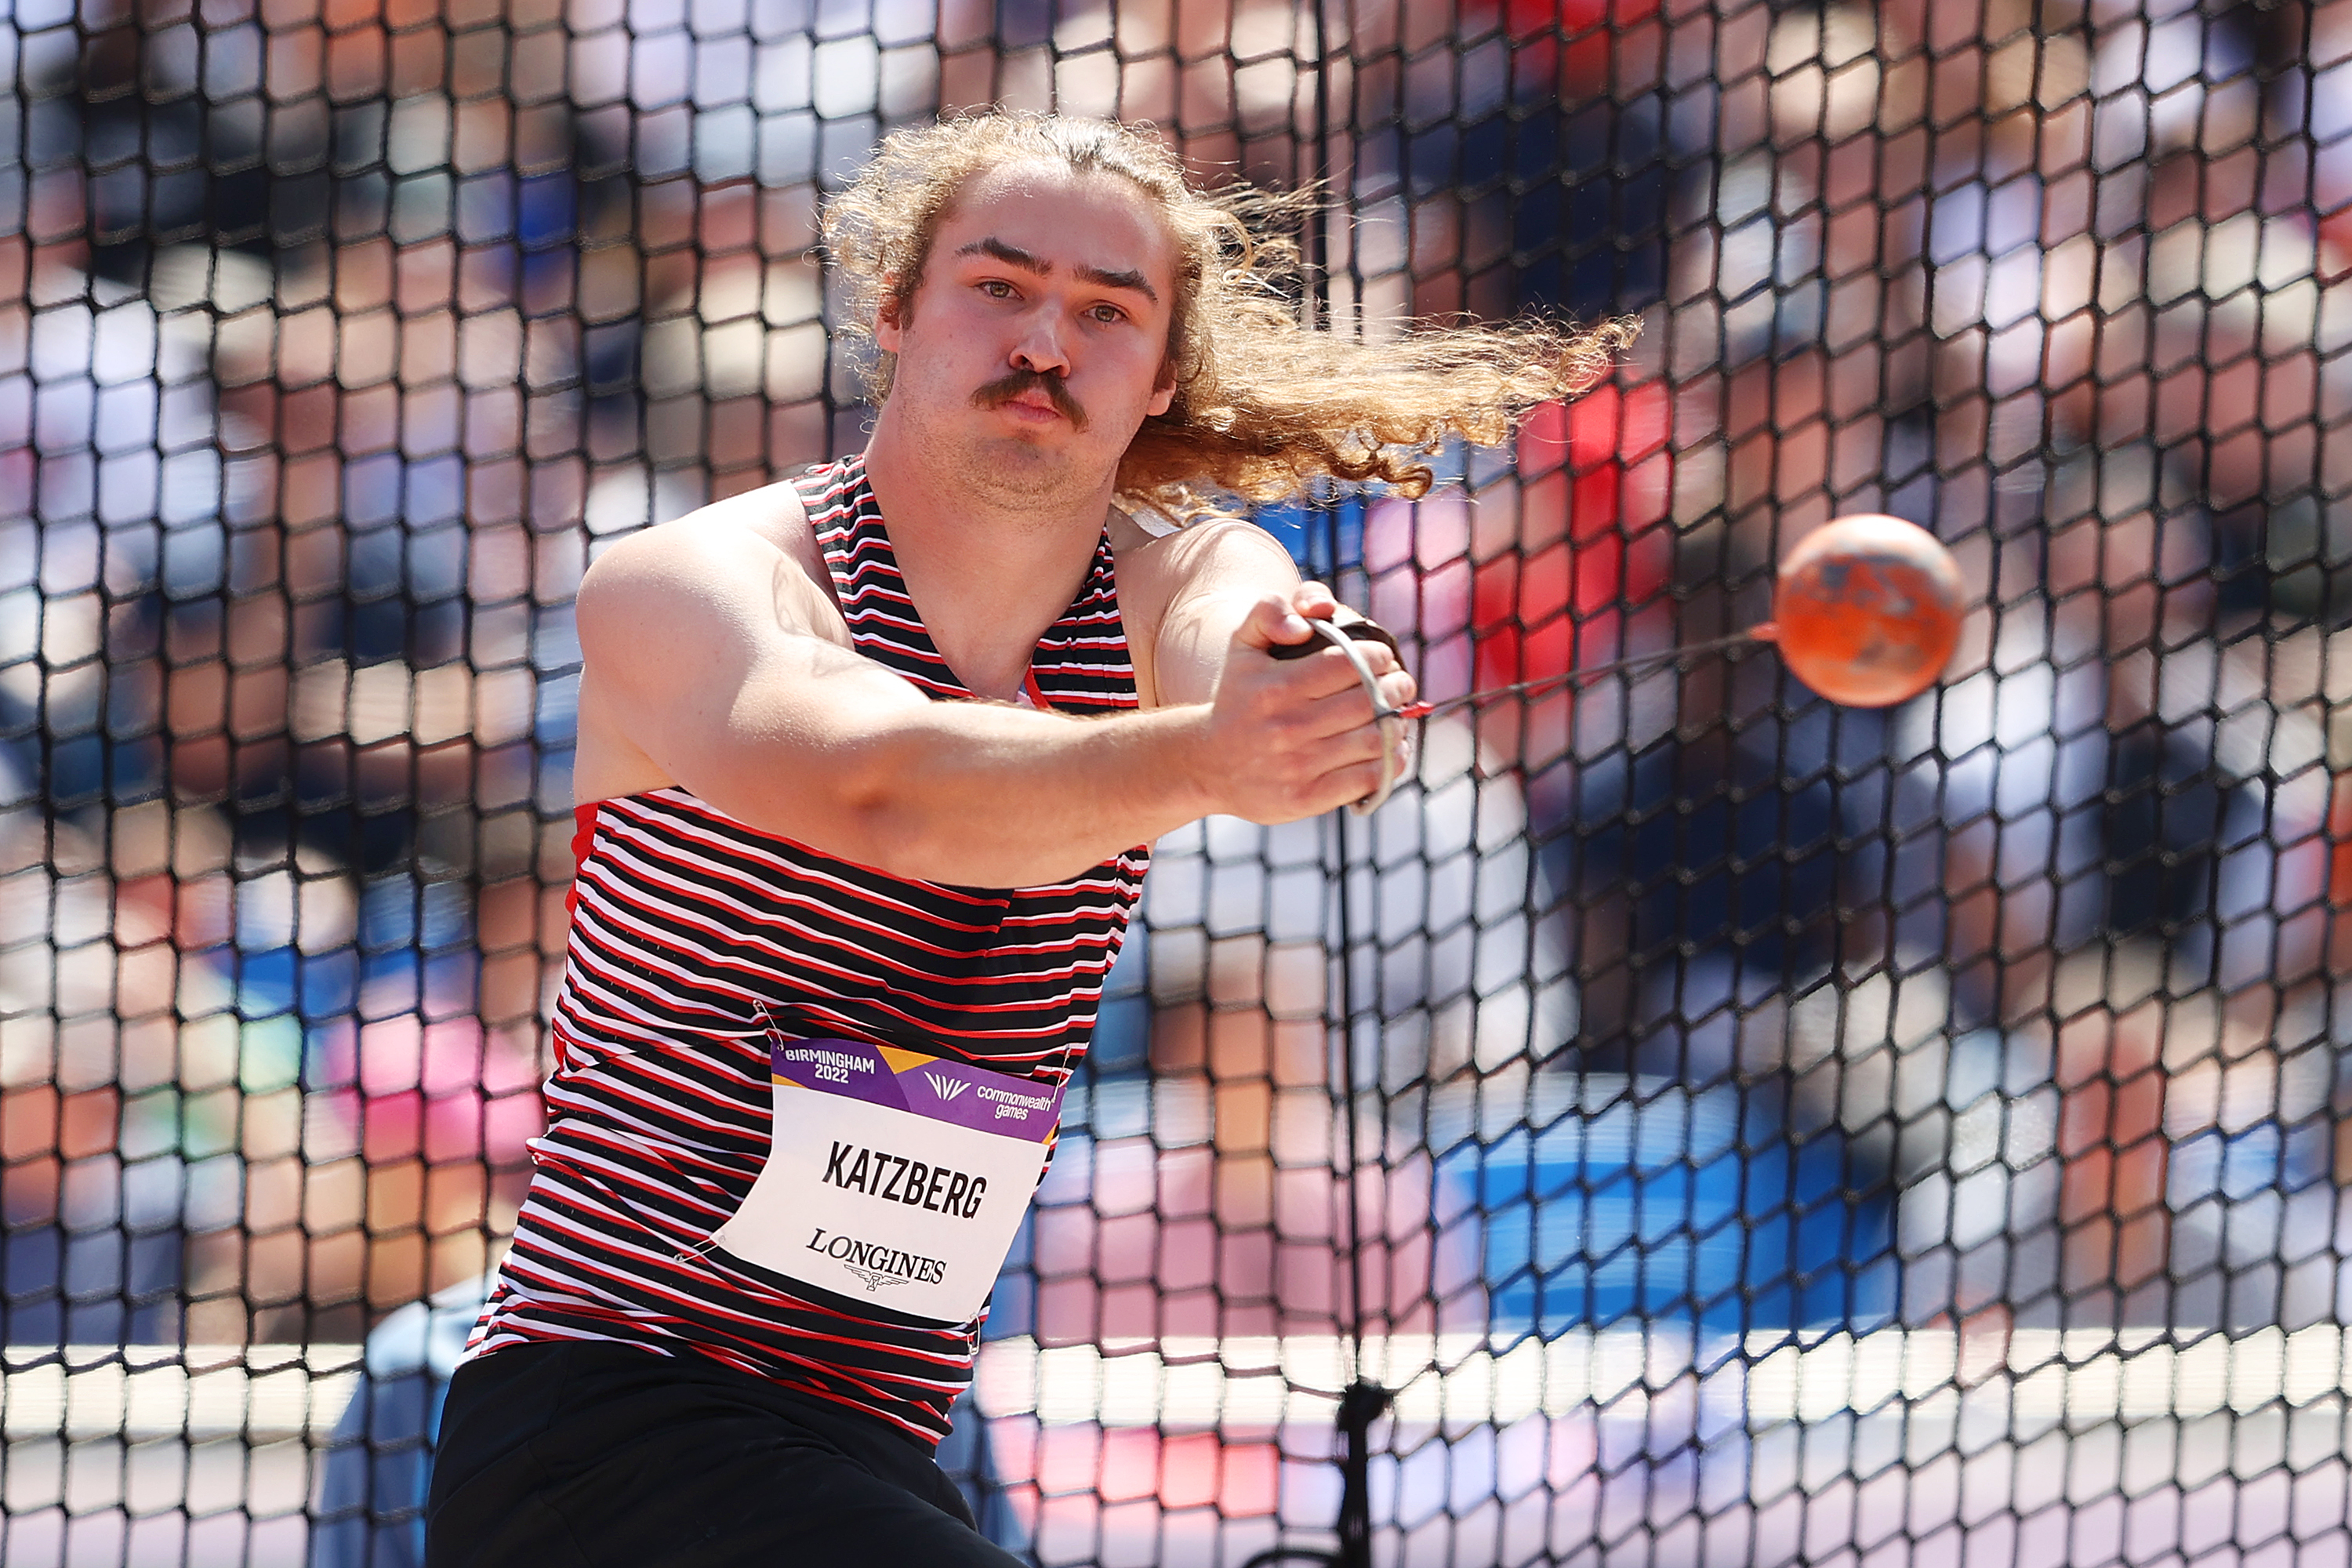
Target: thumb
[[1271, 622]]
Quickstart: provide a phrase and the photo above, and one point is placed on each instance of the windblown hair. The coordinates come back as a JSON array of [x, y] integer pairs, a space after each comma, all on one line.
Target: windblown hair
[[1263, 406]]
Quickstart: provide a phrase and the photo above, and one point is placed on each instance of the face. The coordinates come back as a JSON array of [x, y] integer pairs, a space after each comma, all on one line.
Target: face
[[1037, 343]]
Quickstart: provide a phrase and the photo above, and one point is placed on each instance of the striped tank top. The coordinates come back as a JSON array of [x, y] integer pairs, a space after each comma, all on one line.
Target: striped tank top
[[696, 941]]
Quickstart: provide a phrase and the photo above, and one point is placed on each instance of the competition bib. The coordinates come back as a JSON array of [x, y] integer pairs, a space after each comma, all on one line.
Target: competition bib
[[892, 1176]]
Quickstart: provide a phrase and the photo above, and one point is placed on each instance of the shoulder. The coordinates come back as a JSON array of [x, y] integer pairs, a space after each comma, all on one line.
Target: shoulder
[[753, 549], [1214, 554], [1171, 584]]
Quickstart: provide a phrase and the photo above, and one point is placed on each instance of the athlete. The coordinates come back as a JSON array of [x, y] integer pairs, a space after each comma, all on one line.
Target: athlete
[[868, 761]]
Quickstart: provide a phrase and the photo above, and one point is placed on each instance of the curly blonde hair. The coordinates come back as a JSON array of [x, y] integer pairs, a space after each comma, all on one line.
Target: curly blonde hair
[[1263, 406]]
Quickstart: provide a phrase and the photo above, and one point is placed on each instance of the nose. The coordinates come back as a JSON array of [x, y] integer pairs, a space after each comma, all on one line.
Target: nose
[[1039, 348]]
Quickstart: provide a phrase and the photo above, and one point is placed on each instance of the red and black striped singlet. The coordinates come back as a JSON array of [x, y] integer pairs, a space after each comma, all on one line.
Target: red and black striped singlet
[[694, 936]]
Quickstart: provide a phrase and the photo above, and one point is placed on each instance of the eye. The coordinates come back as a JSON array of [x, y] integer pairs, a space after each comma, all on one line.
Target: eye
[[1107, 313], [996, 288]]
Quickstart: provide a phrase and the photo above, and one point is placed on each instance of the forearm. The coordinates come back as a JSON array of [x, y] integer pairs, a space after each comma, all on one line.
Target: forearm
[[799, 736], [991, 796]]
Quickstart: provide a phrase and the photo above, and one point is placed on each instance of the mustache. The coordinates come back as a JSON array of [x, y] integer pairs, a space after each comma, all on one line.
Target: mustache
[[999, 392]]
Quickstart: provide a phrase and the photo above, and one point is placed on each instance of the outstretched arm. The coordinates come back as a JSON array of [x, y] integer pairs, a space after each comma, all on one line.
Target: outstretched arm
[[1211, 576], [708, 655]]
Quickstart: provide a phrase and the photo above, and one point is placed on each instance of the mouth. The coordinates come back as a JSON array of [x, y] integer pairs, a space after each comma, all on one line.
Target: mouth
[[1031, 399], [1034, 405]]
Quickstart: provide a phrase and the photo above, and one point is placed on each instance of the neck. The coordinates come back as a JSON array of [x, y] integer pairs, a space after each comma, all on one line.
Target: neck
[[929, 480], [987, 577]]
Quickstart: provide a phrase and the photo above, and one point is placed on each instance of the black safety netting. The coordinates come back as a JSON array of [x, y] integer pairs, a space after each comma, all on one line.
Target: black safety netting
[[1703, 1124]]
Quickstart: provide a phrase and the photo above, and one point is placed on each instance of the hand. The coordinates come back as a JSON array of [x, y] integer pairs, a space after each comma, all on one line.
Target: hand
[[1292, 738]]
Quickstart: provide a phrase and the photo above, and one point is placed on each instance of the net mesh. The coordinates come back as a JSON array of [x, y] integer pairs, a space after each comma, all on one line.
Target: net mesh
[[1733, 1128]]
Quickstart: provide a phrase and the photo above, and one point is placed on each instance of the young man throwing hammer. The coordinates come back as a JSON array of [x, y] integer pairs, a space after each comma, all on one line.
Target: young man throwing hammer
[[867, 762]]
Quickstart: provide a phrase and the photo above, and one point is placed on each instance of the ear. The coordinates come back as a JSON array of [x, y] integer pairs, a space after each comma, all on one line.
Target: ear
[[1164, 394], [888, 327]]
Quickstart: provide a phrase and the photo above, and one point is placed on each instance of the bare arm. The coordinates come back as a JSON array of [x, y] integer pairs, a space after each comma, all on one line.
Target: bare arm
[[1215, 577], [703, 645], [1202, 583]]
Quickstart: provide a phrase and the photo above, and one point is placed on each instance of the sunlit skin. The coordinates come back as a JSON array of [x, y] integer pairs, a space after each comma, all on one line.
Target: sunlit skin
[[1036, 273], [1039, 280], [1031, 350]]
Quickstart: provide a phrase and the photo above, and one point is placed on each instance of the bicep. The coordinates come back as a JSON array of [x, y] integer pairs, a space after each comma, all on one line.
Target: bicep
[[707, 661], [1218, 581]]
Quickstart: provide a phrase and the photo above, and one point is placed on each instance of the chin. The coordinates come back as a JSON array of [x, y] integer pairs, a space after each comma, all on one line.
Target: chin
[[1015, 474], [1016, 462]]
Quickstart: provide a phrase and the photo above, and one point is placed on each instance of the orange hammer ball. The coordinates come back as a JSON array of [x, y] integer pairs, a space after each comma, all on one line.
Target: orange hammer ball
[[1867, 611]]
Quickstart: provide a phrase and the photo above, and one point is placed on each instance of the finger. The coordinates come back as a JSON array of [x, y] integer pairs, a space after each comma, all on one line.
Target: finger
[[1347, 784], [1377, 656], [1317, 672], [1397, 689], [1343, 714], [1314, 600], [1272, 622]]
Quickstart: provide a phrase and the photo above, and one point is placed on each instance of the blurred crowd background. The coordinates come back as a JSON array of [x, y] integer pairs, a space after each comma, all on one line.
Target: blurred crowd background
[[336, 336]]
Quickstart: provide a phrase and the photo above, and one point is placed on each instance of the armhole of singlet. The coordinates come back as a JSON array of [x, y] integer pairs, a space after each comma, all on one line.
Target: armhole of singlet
[[824, 560], [1151, 519], [584, 833]]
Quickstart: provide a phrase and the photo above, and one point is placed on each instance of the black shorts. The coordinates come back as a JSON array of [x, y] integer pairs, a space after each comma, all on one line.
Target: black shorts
[[603, 1456]]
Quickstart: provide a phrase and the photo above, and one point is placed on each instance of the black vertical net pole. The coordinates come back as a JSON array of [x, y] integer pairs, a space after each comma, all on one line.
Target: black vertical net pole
[[1363, 1400]]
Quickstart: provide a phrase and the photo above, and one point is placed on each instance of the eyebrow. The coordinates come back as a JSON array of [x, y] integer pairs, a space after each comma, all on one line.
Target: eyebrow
[[1013, 256]]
